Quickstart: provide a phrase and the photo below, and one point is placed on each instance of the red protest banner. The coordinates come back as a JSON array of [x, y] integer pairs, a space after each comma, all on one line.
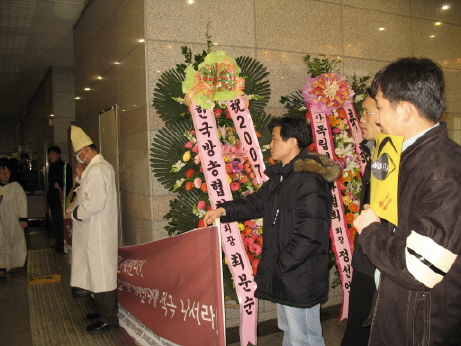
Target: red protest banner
[[173, 287]]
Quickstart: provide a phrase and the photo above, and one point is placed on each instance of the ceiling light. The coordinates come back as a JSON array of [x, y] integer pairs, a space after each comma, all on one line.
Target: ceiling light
[[432, 36], [190, 2], [116, 63], [87, 89], [99, 77], [382, 29], [141, 40], [77, 98], [51, 115], [445, 7], [438, 23]]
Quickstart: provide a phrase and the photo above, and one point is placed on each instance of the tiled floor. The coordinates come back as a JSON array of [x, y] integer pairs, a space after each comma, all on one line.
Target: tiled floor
[[14, 308]]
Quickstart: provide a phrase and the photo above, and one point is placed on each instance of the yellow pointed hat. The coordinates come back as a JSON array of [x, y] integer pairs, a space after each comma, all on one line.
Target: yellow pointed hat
[[79, 138]]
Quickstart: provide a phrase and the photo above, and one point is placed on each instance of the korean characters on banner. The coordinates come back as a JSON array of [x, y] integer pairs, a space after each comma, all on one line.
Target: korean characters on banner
[[353, 123], [160, 294], [340, 241], [219, 191], [247, 134]]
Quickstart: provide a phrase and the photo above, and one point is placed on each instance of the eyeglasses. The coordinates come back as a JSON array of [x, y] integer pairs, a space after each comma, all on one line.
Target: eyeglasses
[[363, 114], [78, 152]]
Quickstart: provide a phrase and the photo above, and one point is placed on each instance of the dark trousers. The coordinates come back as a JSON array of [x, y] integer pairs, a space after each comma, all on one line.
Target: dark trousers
[[360, 300], [107, 305], [58, 226]]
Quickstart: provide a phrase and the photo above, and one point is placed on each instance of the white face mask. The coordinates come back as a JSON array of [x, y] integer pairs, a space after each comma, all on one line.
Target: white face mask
[[77, 157]]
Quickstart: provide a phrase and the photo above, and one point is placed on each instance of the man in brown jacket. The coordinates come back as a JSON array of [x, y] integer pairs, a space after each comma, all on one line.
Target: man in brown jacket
[[419, 297]]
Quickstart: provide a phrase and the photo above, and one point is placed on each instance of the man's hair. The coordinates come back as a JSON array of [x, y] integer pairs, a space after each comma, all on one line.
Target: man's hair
[[371, 93], [416, 80], [55, 149], [292, 127], [93, 146]]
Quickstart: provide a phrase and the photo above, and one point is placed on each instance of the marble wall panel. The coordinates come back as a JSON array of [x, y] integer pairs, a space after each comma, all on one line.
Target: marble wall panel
[[401, 7], [452, 90], [130, 26], [299, 26], [364, 39], [182, 22], [362, 68], [107, 46], [438, 42], [133, 122], [134, 164], [288, 73], [432, 9]]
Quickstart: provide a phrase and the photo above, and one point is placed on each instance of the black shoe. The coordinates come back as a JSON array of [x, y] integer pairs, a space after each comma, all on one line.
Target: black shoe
[[93, 316], [80, 292], [101, 326]]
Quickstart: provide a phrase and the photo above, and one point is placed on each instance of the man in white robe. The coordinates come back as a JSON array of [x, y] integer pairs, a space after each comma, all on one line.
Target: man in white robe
[[95, 232]]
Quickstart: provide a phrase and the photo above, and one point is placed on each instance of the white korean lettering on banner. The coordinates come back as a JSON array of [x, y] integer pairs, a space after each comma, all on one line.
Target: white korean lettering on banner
[[219, 191], [338, 232]]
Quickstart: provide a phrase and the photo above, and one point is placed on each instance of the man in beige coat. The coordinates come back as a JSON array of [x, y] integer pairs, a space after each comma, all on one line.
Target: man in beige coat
[[95, 232]]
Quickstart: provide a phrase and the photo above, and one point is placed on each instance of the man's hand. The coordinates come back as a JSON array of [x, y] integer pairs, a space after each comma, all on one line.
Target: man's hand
[[79, 170], [23, 224], [213, 214], [366, 217]]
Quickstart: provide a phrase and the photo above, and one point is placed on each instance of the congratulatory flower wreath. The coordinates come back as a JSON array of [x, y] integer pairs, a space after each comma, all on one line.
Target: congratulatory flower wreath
[[175, 159], [326, 88]]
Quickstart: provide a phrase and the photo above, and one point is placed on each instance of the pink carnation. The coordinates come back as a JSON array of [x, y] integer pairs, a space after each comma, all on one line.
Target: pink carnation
[[197, 183], [195, 149], [189, 145], [201, 205]]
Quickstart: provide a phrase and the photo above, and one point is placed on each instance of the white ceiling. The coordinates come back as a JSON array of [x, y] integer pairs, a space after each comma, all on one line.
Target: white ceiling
[[34, 36]]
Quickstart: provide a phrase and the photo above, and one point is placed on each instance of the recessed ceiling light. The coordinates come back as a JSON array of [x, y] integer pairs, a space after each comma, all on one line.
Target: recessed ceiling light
[[445, 7], [141, 40], [51, 115], [87, 89], [99, 77], [382, 29], [432, 36], [190, 2], [116, 63], [77, 98], [438, 23]]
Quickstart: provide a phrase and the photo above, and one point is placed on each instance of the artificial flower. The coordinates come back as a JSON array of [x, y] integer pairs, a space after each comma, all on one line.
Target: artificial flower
[[189, 186], [190, 172], [177, 166], [234, 186], [197, 183], [187, 156]]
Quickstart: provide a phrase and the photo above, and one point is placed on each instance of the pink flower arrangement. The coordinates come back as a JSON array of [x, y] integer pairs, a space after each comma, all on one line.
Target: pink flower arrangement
[[327, 91], [252, 240]]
